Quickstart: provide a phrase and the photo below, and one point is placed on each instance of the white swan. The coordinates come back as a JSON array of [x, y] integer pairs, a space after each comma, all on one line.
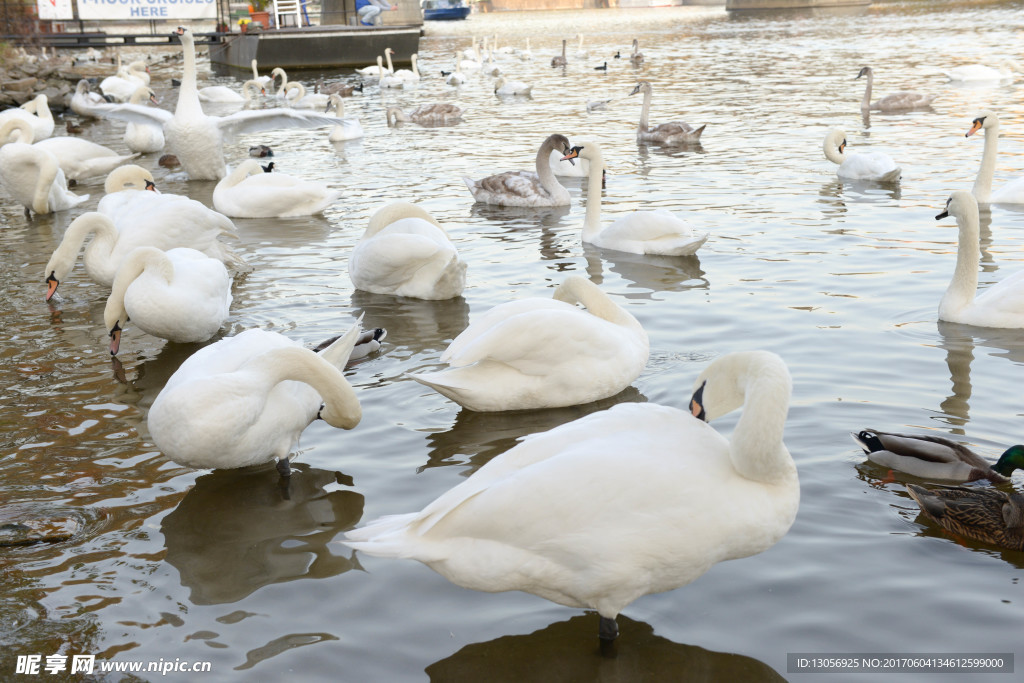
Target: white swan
[[565, 516], [407, 75], [876, 166], [246, 399], [491, 69], [456, 77], [560, 60], [1010, 193], [249, 192], [298, 98], [406, 252], [79, 158], [36, 112], [968, 73], [669, 134], [373, 71], [84, 101], [472, 62], [264, 81], [507, 88], [580, 52], [436, 114], [143, 137], [121, 86], [350, 129], [198, 139], [31, 176], [181, 295], [897, 101], [638, 232], [543, 353], [526, 54], [523, 188], [1001, 304], [222, 94]]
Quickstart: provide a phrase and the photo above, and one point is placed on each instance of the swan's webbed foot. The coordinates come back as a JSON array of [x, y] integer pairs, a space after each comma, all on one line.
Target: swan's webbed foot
[[284, 467], [608, 630]]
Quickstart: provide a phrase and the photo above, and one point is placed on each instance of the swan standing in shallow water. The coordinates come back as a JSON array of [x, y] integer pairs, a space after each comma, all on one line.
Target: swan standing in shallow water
[[876, 166], [639, 232], [406, 252], [350, 129], [181, 295], [1013, 191], [246, 399], [897, 101], [523, 188], [198, 139], [671, 133], [565, 516], [543, 353], [1001, 304], [249, 192], [31, 176]]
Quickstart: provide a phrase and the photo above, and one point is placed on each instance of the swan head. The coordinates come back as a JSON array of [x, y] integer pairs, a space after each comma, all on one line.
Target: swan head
[[129, 177], [959, 205], [986, 119], [641, 86], [499, 83], [724, 384], [835, 140], [866, 72]]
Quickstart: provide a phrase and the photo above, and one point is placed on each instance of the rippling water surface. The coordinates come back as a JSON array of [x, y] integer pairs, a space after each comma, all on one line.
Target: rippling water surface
[[842, 280]]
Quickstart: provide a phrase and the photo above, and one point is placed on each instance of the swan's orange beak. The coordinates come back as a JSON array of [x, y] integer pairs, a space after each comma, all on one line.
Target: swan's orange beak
[[842, 146], [115, 339], [151, 186], [51, 285], [697, 404], [975, 127]]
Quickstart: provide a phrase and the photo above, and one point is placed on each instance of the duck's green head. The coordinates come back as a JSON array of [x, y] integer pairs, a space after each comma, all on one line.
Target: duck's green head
[[1012, 459]]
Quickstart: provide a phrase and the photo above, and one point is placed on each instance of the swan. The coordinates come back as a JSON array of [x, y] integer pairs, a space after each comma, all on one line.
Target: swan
[[31, 175], [543, 353], [581, 169], [84, 101], [406, 252], [638, 232], [897, 101], [560, 60], [980, 72], [456, 77], [471, 51], [143, 137], [524, 188], [36, 112], [121, 86], [436, 114], [931, 456], [80, 158], [526, 54], [223, 94], [373, 71], [669, 134], [636, 57], [264, 81], [248, 192], [350, 129], [181, 295], [491, 69], [406, 75], [1013, 191], [474, 62], [566, 516], [389, 80], [506, 88], [245, 400], [198, 139], [580, 52], [876, 166], [298, 98], [1001, 304]]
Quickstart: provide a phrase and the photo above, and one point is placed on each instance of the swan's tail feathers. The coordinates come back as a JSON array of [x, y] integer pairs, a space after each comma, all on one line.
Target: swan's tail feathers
[[893, 175], [689, 246], [384, 537], [697, 133], [233, 261], [338, 351]]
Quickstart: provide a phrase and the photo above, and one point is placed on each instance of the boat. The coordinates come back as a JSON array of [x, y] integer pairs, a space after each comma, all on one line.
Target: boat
[[444, 10]]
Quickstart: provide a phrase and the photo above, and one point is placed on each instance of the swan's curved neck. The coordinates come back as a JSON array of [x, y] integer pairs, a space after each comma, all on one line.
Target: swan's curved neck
[[592, 219], [964, 285], [244, 170], [982, 189], [302, 365], [63, 258], [415, 69], [756, 446], [544, 172], [396, 211], [866, 102], [188, 94], [831, 149], [395, 115], [48, 169], [644, 111], [391, 67], [579, 290], [140, 260], [249, 87], [21, 126], [255, 73]]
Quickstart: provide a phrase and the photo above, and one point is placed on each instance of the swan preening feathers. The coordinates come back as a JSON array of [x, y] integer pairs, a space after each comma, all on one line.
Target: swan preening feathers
[[597, 530], [876, 166], [1001, 304]]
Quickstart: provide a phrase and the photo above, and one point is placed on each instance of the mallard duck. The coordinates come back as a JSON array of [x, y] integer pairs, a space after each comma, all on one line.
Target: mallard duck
[[936, 457], [983, 514]]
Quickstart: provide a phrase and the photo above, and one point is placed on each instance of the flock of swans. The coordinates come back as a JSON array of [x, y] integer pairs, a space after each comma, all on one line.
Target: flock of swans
[[685, 499]]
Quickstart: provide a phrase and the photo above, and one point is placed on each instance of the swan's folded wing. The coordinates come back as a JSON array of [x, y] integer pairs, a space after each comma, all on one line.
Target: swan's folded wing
[[390, 260], [135, 113], [648, 226], [257, 120], [519, 183], [484, 323], [1005, 296]]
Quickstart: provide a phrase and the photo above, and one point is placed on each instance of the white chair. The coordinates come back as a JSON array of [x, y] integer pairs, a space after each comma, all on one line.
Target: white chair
[[287, 13]]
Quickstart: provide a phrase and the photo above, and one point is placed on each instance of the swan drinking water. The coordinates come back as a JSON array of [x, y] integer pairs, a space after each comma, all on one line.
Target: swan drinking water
[[524, 188], [565, 516], [543, 353], [639, 232], [1013, 191], [1001, 304]]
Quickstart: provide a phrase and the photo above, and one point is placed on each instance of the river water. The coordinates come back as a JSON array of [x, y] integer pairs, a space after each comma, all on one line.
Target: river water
[[167, 564]]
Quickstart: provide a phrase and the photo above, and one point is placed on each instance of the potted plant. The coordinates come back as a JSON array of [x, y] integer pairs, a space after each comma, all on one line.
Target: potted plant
[[259, 13]]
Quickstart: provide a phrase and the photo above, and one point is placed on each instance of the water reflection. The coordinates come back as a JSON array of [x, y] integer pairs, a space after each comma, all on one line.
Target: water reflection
[[861, 191], [568, 651], [475, 438], [414, 326], [556, 238], [239, 530], [651, 273]]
